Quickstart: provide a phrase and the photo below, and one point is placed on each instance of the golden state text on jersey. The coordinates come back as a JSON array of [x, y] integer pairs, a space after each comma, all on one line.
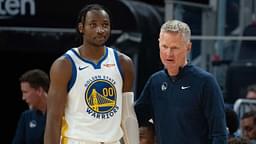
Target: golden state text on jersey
[[100, 97]]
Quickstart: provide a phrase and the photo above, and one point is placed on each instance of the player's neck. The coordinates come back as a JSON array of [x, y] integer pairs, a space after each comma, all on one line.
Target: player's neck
[[92, 53]]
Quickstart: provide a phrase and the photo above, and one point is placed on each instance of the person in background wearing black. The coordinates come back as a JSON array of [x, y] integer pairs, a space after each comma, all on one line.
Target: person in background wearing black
[[232, 120], [184, 101], [34, 86]]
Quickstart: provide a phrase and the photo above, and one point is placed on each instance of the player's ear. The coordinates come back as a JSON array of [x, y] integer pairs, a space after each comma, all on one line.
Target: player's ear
[[80, 27]]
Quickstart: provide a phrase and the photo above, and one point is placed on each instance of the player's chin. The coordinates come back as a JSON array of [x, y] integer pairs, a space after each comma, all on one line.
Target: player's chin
[[101, 39], [100, 42]]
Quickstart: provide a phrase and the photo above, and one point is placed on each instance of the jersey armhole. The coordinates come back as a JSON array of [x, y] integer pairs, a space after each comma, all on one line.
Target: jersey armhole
[[118, 63], [74, 72]]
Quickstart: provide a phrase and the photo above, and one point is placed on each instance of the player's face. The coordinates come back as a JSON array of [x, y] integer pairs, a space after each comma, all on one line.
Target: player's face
[[173, 49], [29, 95], [96, 28]]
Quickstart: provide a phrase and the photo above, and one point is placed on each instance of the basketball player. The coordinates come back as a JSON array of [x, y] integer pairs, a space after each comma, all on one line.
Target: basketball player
[[90, 96]]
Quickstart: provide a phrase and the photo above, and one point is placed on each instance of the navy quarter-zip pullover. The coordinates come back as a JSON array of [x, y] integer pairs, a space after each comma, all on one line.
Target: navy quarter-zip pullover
[[187, 109], [30, 129]]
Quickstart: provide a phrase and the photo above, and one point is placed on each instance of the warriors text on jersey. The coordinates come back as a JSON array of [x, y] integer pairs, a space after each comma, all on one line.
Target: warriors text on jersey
[[94, 104]]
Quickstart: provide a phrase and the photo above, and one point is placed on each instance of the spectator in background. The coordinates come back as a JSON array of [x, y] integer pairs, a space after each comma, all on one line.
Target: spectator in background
[[248, 126], [34, 85], [247, 49], [238, 140], [251, 92], [147, 135], [184, 101]]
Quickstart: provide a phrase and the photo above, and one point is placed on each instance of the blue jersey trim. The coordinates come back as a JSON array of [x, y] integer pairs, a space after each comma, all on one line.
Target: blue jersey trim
[[96, 66], [74, 72], [118, 63]]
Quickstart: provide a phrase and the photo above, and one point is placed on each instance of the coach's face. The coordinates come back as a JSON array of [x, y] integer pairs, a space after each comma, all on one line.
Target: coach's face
[[173, 50]]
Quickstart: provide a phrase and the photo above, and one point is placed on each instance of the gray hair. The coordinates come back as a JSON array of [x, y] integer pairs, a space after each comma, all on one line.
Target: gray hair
[[177, 26]]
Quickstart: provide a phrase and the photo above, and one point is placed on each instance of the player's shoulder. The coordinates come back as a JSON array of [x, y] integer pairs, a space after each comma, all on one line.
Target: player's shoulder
[[61, 68], [61, 62], [124, 61], [123, 58]]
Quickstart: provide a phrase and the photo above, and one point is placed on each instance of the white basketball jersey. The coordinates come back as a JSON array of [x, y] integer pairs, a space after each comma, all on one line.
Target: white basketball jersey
[[94, 105]]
